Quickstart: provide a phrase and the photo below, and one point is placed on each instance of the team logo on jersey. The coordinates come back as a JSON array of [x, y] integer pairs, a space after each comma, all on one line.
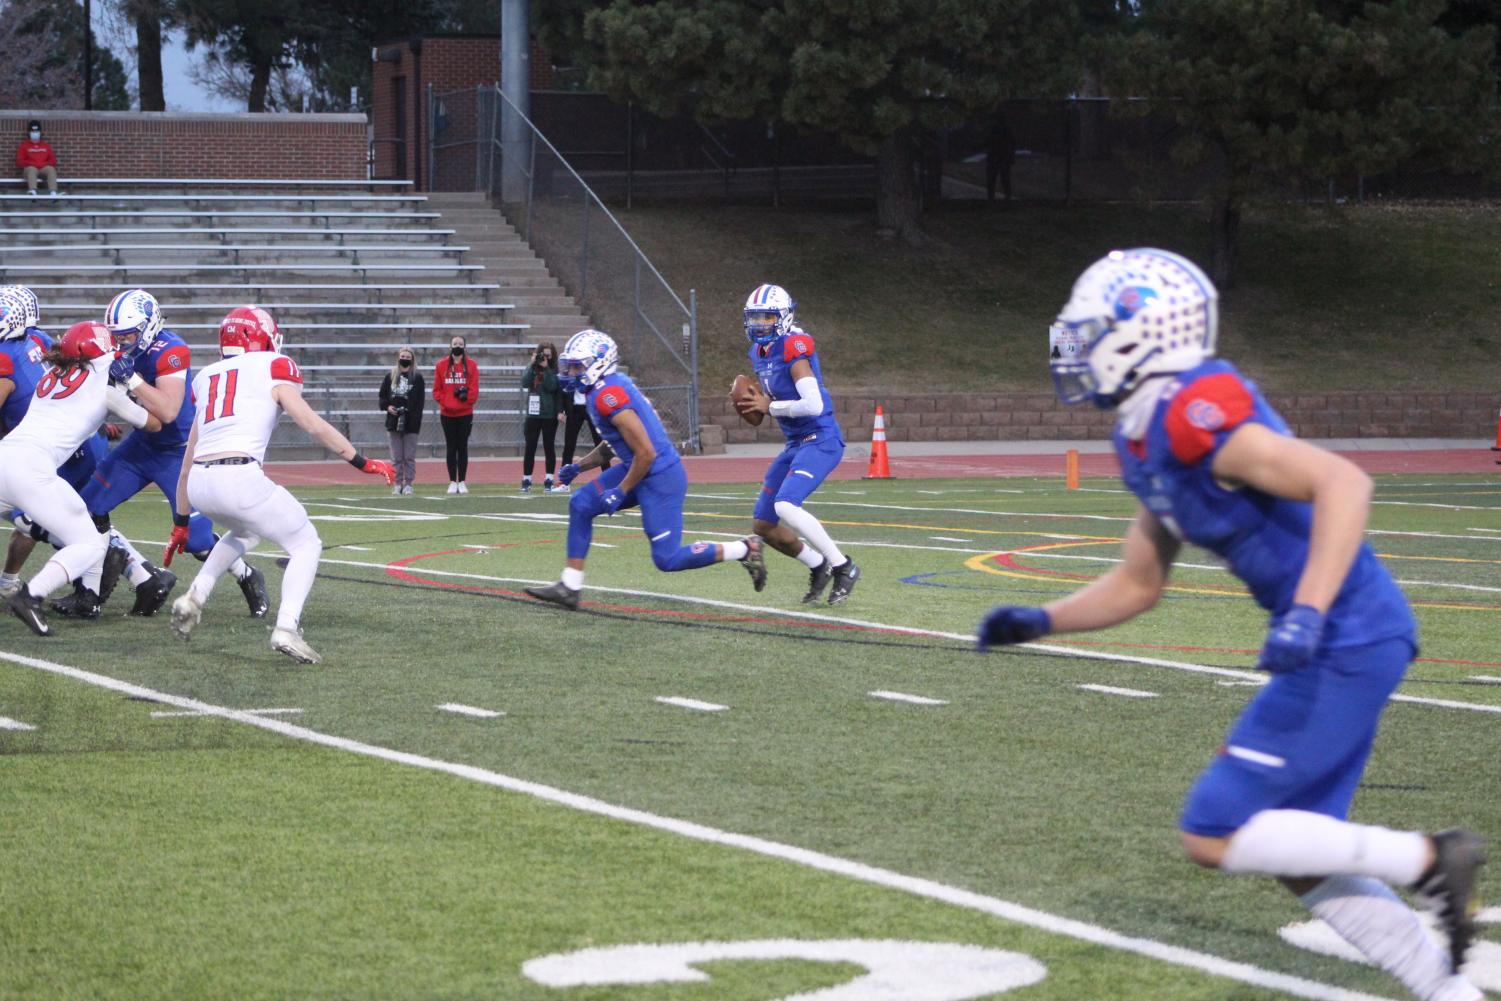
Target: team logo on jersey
[[1205, 414], [699, 547], [801, 346], [610, 400], [1132, 299], [174, 361]]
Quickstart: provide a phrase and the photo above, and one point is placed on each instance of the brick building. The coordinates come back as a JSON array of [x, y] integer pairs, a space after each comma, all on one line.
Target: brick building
[[403, 73]]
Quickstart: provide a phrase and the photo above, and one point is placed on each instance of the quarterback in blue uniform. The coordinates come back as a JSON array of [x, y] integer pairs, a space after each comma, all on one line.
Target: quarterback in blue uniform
[[1212, 464], [650, 474], [792, 391], [155, 365]]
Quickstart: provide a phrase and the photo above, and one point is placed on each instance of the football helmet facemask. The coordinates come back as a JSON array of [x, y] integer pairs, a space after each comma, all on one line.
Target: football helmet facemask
[[137, 312], [588, 357], [248, 328], [1140, 313], [769, 314]]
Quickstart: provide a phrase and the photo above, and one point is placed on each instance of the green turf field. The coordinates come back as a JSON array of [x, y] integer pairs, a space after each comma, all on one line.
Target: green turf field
[[374, 845]]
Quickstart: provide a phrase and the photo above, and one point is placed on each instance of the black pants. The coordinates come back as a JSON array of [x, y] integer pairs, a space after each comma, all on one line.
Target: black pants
[[577, 417], [547, 429], [456, 435]]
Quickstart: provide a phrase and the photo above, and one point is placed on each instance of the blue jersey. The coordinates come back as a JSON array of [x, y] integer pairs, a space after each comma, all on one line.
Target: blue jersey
[[1263, 539], [616, 392], [21, 363], [773, 364], [168, 355]]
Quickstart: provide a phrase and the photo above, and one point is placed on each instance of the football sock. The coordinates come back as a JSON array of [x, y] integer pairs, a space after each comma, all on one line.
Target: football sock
[[1367, 914], [303, 549], [81, 559], [734, 550], [573, 579], [8, 581], [135, 563], [808, 527], [226, 551], [238, 570], [809, 557], [1300, 843]]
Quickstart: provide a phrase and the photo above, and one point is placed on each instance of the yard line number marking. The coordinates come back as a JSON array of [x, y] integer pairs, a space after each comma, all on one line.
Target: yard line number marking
[[915, 885]]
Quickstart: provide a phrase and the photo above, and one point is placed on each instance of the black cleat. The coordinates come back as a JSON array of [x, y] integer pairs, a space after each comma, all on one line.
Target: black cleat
[[818, 579], [81, 604], [115, 559], [754, 561], [29, 610], [557, 594], [1448, 887], [151, 595], [845, 575], [253, 587]]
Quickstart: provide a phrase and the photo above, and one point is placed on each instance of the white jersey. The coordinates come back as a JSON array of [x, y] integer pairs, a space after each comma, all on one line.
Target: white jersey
[[65, 411], [236, 411]]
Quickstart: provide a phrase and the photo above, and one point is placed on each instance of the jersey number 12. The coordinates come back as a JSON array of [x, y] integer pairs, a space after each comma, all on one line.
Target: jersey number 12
[[228, 408]]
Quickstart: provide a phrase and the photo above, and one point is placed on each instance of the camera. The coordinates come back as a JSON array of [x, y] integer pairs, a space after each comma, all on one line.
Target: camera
[[461, 394]]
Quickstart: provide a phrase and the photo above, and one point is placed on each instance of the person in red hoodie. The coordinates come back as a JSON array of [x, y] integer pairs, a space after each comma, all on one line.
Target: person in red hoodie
[[456, 387], [35, 157]]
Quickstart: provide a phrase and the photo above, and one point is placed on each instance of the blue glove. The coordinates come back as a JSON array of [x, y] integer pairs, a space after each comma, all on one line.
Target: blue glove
[[612, 500], [1292, 640], [568, 473], [121, 369], [1012, 624]]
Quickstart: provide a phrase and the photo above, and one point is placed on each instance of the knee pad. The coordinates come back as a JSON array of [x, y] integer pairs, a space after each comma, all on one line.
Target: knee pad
[[101, 523]]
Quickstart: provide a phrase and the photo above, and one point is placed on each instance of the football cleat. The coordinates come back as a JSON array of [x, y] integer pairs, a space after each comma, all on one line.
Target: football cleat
[[818, 579], [253, 587], [152, 594], [29, 610], [845, 575], [115, 559], [557, 594], [1448, 888], [81, 604], [754, 561], [186, 613], [291, 643]]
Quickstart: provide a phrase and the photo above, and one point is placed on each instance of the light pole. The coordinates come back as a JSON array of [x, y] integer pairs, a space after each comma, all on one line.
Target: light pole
[[516, 85], [88, 55]]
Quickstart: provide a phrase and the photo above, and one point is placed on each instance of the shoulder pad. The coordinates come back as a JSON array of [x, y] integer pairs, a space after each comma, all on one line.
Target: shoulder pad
[[1203, 409], [797, 346], [610, 399]]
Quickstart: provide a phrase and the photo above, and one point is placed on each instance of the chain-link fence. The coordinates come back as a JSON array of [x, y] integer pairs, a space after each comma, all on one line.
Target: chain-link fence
[[584, 245]]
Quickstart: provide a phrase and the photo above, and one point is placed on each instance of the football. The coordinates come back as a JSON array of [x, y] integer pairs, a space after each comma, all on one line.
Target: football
[[742, 392]]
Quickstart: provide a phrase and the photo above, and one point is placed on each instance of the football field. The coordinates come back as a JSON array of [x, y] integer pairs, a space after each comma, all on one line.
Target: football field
[[688, 790]]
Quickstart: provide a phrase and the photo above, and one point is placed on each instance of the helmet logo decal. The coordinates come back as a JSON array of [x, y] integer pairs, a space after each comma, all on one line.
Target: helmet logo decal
[[1132, 299]]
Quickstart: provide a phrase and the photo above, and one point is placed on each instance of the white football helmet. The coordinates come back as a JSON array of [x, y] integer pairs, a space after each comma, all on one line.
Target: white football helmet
[[769, 313], [28, 299], [595, 351], [12, 316], [1142, 312], [135, 311]]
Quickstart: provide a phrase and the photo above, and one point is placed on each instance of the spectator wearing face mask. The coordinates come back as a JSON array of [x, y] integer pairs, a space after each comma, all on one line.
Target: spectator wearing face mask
[[401, 397], [34, 157], [456, 387]]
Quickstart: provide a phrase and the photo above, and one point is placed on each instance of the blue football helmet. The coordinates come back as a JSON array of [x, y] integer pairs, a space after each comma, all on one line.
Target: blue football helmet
[[769, 314], [588, 357], [1135, 314], [135, 311]]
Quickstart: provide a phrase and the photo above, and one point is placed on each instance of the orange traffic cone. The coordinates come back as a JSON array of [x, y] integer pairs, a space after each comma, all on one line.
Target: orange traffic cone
[[880, 466]]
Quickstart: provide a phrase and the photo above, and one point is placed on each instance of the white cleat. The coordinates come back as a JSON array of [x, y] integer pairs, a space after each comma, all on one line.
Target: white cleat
[[186, 613], [291, 643]]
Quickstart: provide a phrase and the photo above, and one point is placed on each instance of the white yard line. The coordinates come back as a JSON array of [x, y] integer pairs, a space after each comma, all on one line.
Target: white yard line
[[916, 700], [6, 723], [682, 703], [1485, 678], [1130, 693], [930, 889], [254, 712], [463, 710]]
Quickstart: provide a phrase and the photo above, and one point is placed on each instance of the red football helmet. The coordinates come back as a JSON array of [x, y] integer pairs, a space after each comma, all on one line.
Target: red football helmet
[[248, 328], [88, 340]]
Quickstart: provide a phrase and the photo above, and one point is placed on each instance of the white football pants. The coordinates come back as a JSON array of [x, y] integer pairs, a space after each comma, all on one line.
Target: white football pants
[[247, 507], [29, 481]]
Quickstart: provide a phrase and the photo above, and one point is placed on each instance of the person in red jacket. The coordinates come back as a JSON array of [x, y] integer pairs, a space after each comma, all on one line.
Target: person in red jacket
[[456, 387], [35, 157]]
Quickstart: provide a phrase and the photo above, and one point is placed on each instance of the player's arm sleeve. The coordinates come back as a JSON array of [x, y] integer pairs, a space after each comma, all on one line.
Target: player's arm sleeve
[[809, 402], [122, 406], [1204, 414]]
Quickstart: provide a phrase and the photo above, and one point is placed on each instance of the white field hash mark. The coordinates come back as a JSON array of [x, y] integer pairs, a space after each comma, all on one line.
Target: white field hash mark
[[463, 710], [6, 723], [916, 700], [1130, 693], [915, 885], [703, 707]]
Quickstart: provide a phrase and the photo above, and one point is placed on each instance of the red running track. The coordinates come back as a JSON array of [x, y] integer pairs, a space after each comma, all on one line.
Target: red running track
[[726, 469]]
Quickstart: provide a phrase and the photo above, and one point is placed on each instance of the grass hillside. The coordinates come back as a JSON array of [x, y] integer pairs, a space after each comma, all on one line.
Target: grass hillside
[[1381, 298]]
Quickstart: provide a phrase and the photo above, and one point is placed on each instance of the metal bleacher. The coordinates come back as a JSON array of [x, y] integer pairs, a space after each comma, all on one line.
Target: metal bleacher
[[352, 270]]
